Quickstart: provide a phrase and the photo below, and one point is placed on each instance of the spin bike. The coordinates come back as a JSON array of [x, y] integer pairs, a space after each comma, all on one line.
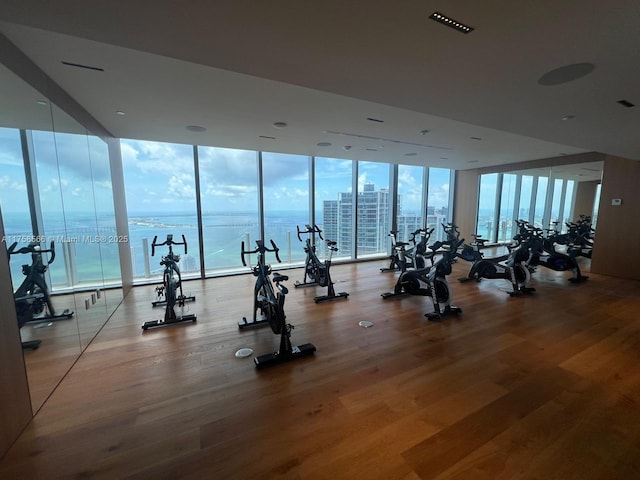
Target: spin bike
[[32, 296], [271, 306], [417, 260], [432, 282], [414, 257], [511, 267], [171, 285], [544, 254], [316, 271]]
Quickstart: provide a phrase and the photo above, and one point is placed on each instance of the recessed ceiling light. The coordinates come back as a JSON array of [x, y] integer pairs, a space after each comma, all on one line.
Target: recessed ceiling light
[[376, 120], [450, 22], [267, 137], [476, 138], [568, 117], [371, 149], [42, 102], [424, 132], [347, 147], [279, 124], [195, 128], [121, 113], [324, 144]]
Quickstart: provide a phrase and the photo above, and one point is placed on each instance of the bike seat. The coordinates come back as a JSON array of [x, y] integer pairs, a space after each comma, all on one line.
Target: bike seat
[[279, 278], [331, 243]]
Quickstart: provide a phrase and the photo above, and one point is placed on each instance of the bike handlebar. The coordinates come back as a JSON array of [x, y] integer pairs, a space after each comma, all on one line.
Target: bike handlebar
[[169, 241], [34, 247], [309, 229], [261, 248]]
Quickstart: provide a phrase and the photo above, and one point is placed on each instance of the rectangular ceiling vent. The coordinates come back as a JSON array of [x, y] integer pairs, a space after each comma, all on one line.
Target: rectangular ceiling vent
[[450, 22], [79, 65]]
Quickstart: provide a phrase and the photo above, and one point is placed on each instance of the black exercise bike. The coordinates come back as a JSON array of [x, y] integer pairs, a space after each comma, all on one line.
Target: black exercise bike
[[32, 299], [315, 271], [432, 282], [271, 306], [171, 288], [511, 267]]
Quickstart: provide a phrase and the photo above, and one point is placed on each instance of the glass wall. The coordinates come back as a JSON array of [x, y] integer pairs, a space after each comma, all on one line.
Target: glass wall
[[160, 188], [487, 207], [410, 200], [285, 190], [373, 208], [507, 208], [334, 203], [230, 209], [439, 200]]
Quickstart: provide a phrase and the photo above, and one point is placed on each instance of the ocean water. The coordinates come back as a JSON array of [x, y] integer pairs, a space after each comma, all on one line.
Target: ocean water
[[86, 247]]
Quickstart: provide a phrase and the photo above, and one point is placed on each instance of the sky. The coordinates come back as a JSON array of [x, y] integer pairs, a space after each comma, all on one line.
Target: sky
[[73, 173]]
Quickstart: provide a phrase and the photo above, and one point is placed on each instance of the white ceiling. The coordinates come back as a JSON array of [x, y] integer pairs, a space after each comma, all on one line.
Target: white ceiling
[[237, 67]]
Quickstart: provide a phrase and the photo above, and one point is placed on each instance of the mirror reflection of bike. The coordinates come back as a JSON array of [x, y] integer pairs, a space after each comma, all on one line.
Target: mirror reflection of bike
[[271, 306], [171, 285], [32, 298]]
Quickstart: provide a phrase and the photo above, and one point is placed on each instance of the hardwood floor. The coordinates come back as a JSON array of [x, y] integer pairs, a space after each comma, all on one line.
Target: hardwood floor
[[545, 386]]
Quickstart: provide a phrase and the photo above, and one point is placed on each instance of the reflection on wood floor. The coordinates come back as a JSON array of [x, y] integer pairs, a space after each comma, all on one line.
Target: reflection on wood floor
[[541, 386]]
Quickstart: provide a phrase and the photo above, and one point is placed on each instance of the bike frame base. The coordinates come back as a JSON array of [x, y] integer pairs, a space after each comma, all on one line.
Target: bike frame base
[[392, 294], [257, 323], [299, 284], [162, 323], [329, 298], [31, 344], [448, 310], [65, 315], [275, 358], [180, 300]]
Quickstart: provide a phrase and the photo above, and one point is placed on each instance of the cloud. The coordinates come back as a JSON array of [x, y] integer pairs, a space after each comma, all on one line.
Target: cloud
[[7, 183]]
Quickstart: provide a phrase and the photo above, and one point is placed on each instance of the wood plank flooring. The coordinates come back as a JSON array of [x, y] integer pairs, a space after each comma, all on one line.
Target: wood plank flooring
[[546, 386]]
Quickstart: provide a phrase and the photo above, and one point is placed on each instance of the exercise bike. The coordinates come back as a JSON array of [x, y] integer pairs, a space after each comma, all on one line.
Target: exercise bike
[[543, 253], [511, 267], [421, 252], [316, 271], [171, 285], [402, 258], [271, 306], [432, 282], [32, 297]]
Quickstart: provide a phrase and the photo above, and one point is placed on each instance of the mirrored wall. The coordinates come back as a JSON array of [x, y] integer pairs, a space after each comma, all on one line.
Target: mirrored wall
[[545, 197], [59, 222]]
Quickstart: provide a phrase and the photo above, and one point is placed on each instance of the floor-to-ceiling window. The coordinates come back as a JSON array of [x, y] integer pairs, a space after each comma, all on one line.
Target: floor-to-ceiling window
[[285, 180], [334, 203], [541, 198], [487, 206], [13, 198], [161, 200], [524, 205], [438, 200], [373, 208], [410, 200], [230, 208], [507, 204]]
